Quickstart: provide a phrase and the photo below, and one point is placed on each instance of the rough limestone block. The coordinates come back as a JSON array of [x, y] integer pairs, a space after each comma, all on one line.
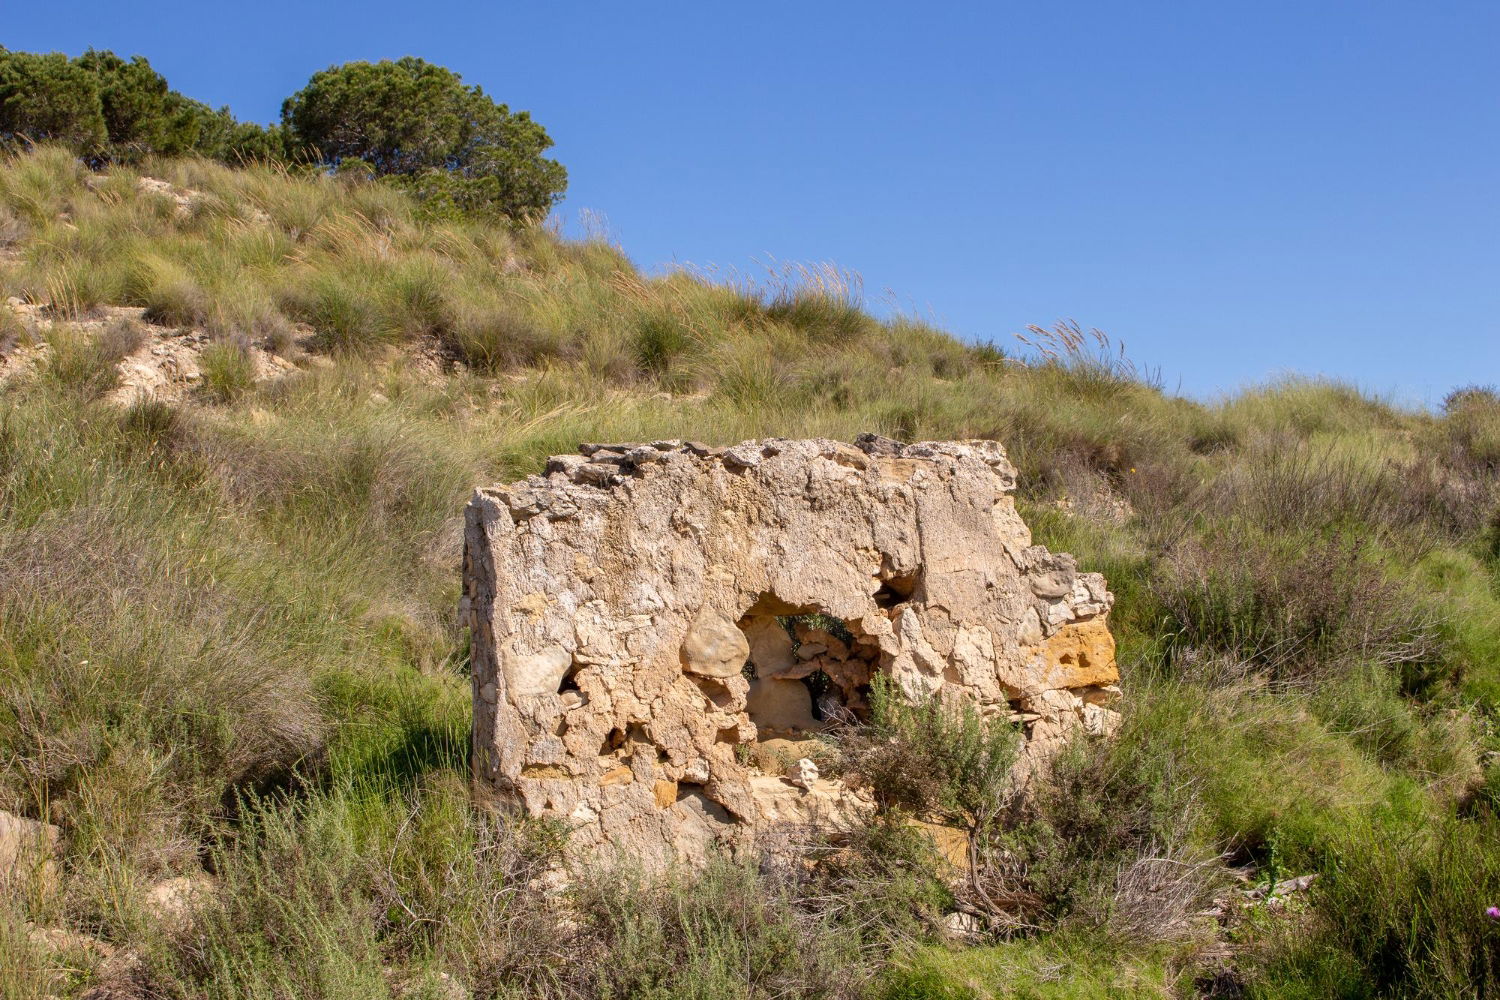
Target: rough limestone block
[[780, 705], [770, 647], [620, 604], [714, 646]]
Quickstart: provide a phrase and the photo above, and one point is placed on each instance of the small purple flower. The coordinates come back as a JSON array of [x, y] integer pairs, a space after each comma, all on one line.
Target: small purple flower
[[1493, 913]]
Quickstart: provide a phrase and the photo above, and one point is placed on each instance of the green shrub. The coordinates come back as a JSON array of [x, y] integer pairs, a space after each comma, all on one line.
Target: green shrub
[[1301, 607], [1471, 424], [1405, 922], [493, 334], [417, 300], [659, 341], [341, 309], [448, 144], [820, 301], [107, 109], [931, 757], [154, 423], [171, 295]]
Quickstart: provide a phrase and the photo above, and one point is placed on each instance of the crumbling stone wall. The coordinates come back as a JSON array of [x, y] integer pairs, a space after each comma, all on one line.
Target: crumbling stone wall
[[648, 618]]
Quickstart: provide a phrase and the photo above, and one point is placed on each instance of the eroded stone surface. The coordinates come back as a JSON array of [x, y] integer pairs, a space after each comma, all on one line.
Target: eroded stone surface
[[640, 626], [27, 853]]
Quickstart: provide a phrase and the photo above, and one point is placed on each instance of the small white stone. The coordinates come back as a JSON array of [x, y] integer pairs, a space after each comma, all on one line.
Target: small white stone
[[804, 773]]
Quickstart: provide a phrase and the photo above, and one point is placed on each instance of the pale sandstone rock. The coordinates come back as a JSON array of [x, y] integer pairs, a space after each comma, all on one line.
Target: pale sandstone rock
[[27, 853], [614, 618], [779, 705], [176, 902], [109, 963], [964, 926], [770, 648], [951, 843], [776, 755], [714, 646]]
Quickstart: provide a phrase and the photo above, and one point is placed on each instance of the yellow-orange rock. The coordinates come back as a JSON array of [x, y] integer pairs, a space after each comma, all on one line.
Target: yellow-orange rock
[[1079, 655], [950, 842]]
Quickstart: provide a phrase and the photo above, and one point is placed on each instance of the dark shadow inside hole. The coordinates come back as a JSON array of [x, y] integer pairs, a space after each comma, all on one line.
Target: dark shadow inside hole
[[818, 685], [895, 589]]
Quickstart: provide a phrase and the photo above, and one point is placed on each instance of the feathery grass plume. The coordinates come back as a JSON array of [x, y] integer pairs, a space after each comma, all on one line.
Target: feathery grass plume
[[1093, 363], [823, 301]]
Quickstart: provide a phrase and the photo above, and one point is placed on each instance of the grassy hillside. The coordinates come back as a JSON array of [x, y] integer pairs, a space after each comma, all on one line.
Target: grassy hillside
[[228, 637]]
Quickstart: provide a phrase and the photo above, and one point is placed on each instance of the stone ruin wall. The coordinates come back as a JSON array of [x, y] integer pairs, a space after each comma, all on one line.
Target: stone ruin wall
[[631, 610]]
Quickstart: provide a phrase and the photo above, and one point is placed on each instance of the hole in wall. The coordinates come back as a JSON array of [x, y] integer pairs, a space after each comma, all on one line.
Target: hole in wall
[[807, 669], [895, 588]]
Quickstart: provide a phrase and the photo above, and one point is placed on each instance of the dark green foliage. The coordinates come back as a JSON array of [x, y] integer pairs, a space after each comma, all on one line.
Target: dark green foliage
[[341, 307], [658, 342], [47, 97], [105, 108], [153, 423], [493, 335], [450, 145], [1108, 803], [133, 100]]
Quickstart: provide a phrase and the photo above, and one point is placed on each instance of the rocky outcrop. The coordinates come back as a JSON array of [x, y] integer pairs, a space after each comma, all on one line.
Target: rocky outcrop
[[651, 620]]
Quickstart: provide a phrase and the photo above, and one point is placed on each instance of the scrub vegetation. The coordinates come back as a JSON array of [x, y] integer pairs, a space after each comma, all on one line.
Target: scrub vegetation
[[228, 637]]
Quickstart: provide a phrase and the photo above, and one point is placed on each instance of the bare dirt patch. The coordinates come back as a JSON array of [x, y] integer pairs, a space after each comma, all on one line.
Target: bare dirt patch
[[168, 366]]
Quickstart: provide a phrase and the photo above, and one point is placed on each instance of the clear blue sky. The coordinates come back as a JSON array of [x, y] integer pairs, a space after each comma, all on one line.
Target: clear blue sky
[[1233, 189]]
